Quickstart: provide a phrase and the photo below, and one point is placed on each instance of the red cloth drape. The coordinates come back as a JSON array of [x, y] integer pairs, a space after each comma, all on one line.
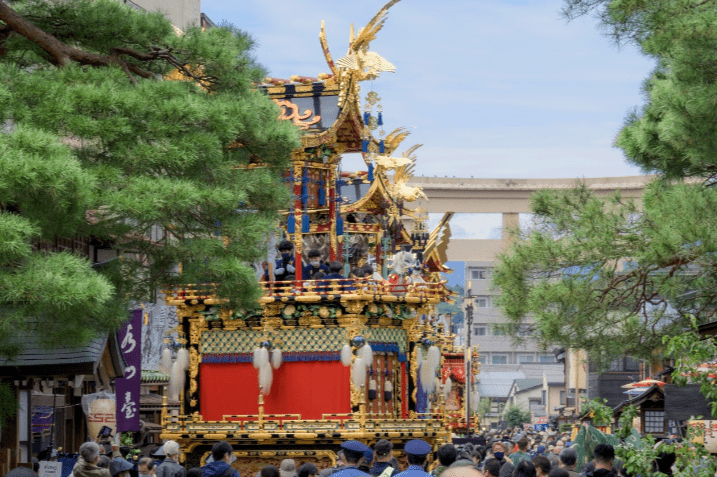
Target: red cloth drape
[[454, 367], [309, 388]]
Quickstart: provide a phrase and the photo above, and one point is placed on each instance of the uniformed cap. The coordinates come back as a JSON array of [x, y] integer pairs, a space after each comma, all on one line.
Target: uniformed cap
[[417, 447], [368, 455], [119, 465], [354, 449]]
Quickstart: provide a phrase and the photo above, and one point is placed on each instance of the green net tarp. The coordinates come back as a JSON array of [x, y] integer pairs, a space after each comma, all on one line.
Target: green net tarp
[[588, 437]]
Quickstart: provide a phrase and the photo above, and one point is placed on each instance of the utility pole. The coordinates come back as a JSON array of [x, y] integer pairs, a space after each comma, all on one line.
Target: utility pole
[[468, 300]]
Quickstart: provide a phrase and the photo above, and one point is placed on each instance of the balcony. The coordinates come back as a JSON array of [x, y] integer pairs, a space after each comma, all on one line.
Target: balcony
[[316, 291]]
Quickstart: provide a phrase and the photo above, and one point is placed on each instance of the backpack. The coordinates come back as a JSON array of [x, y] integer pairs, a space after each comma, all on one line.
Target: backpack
[[387, 472]]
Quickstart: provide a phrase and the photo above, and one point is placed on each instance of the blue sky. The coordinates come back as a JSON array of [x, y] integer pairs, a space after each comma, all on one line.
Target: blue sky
[[494, 89], [458, 277]]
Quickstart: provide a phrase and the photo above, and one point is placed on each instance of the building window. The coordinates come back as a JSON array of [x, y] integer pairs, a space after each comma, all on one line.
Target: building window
[[655, 422], [535, 406], [481, 359], [499, 359], [562, 398], [525, 330], [480, 274], [479, 331], [625, 364], [547, 358], [482, 301], [526, 358], [497, 331]]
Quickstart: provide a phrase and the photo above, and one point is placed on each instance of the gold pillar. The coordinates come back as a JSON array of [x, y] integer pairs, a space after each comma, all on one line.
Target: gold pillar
[[260, 417]]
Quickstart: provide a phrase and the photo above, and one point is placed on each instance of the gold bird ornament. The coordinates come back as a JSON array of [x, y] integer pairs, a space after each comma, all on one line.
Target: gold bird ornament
[[368, 64], [387, 163], [404, 173]]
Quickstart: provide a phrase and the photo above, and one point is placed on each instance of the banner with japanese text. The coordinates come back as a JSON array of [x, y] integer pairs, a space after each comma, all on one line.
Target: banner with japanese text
[[127, 388]]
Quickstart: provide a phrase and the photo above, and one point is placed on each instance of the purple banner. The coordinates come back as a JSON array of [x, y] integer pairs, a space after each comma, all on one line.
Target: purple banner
[[127, 389]]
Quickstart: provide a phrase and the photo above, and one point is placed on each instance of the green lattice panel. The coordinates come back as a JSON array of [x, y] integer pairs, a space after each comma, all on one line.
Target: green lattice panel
[[388, 335], [296, 340]]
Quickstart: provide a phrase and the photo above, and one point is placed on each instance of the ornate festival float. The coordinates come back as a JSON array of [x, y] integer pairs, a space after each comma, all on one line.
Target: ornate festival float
[[355, 353]]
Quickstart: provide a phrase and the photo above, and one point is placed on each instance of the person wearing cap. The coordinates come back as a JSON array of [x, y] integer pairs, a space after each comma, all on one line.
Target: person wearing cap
[[353, 452], [119, 467], [287, 468], [463, 457], [170, 466], [382, 450], [416, 451], [364, 464]]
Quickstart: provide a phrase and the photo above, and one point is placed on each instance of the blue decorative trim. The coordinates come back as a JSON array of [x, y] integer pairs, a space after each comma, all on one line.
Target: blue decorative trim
[[380, 347], [291, 224], [421, 398], [288, 357]]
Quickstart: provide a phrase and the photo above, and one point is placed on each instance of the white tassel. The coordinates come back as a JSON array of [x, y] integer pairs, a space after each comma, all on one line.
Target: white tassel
[[346, 355], [260, 358], [165, 363], [427, 376], [372, 385], [358, 373], [176, 381], [447, 387], [276, 358], [265, 378], [434, 358], [366, 354], [183, 358], [255, 358], [388, 386]]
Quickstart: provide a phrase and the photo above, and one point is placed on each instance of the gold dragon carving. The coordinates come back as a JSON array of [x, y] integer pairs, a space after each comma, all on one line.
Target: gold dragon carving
[[290, 112]]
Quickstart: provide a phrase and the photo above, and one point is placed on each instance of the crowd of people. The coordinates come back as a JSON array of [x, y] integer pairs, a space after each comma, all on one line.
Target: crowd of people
[[516, 459], [492, 455]]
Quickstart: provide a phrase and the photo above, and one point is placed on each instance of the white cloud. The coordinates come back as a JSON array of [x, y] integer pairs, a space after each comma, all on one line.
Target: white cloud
[[498, 88]]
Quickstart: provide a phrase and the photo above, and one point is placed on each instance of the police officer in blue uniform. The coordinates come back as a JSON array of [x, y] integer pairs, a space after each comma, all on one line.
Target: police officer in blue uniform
[[416, 450], [353, 451]]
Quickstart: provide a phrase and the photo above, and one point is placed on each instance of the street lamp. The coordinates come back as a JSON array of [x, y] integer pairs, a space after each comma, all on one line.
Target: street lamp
[[468, 300]]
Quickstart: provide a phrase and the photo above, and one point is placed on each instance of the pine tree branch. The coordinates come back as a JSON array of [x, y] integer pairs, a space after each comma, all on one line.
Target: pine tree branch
[[62, 54]]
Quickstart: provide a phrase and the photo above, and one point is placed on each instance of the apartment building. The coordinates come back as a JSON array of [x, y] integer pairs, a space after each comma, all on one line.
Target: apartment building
[[495, 347], [182, 13]]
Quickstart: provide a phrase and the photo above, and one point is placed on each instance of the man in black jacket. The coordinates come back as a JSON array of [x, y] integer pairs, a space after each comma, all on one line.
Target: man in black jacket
[[382, 450], [603, 458]]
